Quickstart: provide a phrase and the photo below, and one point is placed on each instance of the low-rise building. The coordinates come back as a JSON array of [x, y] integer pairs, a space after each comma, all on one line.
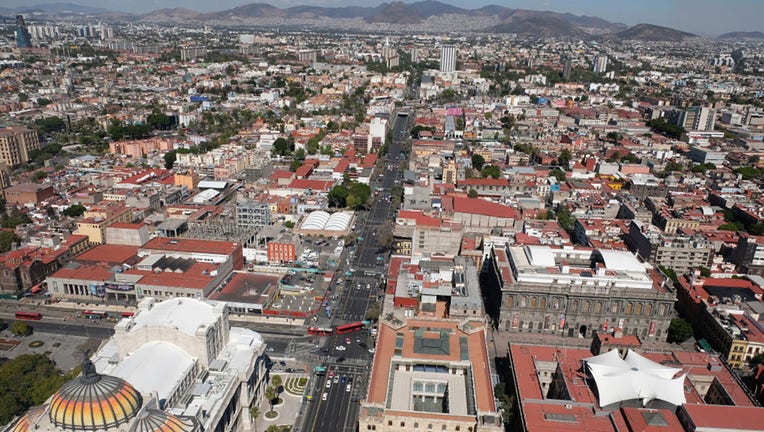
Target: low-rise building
[[430, 375], [577, 292]]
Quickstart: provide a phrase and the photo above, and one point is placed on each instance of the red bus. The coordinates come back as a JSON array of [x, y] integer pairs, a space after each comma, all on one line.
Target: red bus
[[319, 331], [127, 314], [94, 314], [29, 316], [348, 328]]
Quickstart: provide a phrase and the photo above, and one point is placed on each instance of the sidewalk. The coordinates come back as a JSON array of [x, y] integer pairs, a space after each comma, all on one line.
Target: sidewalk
[[288, 411]]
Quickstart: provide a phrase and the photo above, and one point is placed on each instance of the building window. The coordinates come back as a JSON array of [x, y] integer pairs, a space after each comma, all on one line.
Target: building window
[[639, 309], [649, 309], [542, 303], [598, 307], [389, 422], [510, 301], [629, 308], [574, 306], [614, 308], [416, 425], [534, 302], [429, 426], [403, 424], [586, 307]]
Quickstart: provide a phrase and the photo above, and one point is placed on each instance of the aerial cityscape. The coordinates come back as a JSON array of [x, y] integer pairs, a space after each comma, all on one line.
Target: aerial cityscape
[[346, 217]]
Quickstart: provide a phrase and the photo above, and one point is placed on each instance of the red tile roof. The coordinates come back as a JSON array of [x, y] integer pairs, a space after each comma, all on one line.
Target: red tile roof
[[482, 207]]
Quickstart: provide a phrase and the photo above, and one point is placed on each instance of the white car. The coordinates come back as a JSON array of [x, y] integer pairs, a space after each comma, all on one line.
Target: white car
[[328, 383], [336, 379], [324, 396], [347, 389], [340, 348]]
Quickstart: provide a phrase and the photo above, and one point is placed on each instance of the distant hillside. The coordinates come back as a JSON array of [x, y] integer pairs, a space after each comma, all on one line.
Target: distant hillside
[[537, 23], [738, 35], [56, 8], [423, 15], [652, 33], [396, 13]]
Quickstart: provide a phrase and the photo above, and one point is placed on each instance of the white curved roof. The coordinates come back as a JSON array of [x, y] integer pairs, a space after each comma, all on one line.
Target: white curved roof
[[156, 366], [338, 221], [323, 221], [316, 220], [183, 314], [634, 377]]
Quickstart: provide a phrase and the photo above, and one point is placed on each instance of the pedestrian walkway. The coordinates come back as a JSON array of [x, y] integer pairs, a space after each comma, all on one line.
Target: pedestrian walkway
[[288, 410]]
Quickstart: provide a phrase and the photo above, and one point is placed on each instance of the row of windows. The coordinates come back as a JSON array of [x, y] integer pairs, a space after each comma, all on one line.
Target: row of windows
[[416, 426], [586, 306]]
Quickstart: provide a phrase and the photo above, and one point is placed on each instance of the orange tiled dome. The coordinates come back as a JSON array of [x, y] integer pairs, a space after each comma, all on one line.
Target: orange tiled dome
[[153, 420], [28, 420], [94, 402]]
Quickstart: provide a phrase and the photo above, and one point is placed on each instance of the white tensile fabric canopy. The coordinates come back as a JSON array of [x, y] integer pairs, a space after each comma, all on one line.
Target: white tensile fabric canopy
[[634, 377]]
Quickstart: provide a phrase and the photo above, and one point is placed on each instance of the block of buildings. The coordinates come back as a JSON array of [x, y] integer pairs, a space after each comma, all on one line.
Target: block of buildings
[[430, 375], [576, 292]]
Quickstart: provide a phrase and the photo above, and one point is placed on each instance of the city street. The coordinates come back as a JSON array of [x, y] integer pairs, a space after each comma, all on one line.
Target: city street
[[339, 411]]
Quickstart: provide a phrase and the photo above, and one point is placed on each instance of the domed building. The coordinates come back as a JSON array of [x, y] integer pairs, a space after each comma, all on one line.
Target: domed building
[[99, 403], [175, 366]]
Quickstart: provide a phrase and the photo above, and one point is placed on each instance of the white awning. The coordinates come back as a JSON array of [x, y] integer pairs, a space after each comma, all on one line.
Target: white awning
[[634, 377]]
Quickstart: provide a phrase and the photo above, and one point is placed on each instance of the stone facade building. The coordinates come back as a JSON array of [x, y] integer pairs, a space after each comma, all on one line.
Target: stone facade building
[[576, 292]]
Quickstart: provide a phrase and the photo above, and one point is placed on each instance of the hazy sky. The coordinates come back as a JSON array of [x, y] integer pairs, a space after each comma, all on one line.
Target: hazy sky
[[707, 17]]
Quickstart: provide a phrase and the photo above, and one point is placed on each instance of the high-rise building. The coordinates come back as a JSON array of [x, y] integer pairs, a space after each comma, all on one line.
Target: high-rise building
[[414, 54], [16, 142], [697, 118], [447, 58], [23, 38], [600, 64], [566, 69]]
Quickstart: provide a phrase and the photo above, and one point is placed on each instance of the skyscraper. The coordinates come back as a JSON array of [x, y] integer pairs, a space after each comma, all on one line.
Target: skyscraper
[[447, 58], [600, 64], [23, 38], [566, 68]]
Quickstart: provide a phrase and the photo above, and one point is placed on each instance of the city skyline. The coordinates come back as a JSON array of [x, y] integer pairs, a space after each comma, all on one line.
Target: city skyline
[[702, 17]]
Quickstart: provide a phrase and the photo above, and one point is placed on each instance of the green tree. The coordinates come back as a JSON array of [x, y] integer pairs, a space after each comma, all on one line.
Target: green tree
[[280, 147], [289, 224], [756, 360], [564, 159], [672, 166], [26, 381], [39, 175], [614, 136], [558, 174], [255, 413], [7, 239], [75, 210], [670, 273], [169, 159], [478, 161], [679, 330], [565, 219], [472, 193], [372, 313], [21, 328], [337, 196], [358, 195], [49, 125], [270, 394], [490, 171], [704, 271], [277, 382]]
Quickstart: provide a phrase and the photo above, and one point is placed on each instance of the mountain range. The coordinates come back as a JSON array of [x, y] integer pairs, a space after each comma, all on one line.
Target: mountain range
[[425, 15]]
